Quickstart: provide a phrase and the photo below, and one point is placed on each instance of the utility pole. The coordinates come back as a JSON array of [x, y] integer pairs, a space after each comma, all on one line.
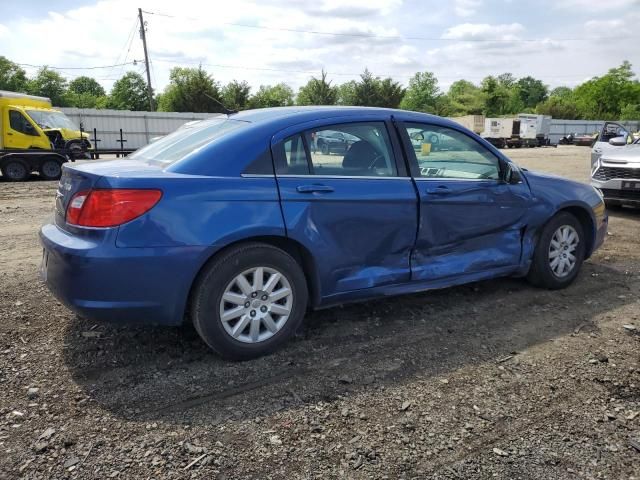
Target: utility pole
[[143, 36]]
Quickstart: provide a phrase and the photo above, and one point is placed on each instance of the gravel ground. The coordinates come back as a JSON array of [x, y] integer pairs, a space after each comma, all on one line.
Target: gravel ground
[[491, 380]]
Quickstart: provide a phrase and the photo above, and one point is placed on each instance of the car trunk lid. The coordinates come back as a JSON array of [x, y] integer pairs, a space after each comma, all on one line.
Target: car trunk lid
[[82, 177]]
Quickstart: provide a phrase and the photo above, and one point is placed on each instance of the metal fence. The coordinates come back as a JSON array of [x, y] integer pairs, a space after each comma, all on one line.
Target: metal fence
[[138, 128], [560, 128]]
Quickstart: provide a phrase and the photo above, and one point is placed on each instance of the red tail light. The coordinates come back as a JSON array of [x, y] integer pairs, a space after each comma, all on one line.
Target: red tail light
[[110, 208]]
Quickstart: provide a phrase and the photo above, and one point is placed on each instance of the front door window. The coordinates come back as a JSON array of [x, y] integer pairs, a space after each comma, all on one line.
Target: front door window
[[444, 153]]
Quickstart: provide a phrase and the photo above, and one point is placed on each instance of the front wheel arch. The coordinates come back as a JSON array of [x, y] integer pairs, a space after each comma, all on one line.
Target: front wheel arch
[[587, 223]]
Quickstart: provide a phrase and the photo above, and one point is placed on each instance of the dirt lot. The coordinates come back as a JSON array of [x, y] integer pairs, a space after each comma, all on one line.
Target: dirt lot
[[491, 380]]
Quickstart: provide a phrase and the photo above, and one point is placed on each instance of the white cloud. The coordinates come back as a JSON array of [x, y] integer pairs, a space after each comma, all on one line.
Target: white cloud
[[610, 6], [483, 31], [466, 8], [199, 31]]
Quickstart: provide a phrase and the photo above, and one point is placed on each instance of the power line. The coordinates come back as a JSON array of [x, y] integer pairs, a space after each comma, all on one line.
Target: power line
[[396, 37], [75, 68], [127, 43]]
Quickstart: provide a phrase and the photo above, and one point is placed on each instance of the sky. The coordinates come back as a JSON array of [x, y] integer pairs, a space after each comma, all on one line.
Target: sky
[[562, 42]]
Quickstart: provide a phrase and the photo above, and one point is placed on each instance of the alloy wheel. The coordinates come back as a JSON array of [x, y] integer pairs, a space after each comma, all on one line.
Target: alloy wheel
[[256, 304], [562, 259]]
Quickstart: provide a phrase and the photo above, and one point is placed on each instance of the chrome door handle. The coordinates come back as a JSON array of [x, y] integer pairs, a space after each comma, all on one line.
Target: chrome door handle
[[314, 188]]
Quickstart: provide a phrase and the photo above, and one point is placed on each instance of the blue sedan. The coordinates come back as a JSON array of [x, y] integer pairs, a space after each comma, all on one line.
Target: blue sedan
[[240, 225]]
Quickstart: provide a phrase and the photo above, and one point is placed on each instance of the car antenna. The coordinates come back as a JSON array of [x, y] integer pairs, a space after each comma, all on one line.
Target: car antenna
[[225, 110]]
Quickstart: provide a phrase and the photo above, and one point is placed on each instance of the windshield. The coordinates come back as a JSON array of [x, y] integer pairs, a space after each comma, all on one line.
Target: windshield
[[50, 119], [186, 140]]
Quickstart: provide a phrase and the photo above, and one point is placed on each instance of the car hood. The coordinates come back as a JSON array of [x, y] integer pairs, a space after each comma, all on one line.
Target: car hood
[[560, 191], [626, 154]]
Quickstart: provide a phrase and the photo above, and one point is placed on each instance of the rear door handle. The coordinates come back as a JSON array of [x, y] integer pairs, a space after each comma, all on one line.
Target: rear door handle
[[314, 188], [439, 190]]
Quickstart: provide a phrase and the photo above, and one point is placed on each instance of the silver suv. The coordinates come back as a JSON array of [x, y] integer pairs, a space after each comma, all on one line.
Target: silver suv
[[615, 166]]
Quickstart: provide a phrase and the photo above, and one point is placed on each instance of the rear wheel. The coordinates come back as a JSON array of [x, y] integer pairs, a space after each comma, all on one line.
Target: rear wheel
[[15, 170], [559, 253], [249, 301], [50, 169]]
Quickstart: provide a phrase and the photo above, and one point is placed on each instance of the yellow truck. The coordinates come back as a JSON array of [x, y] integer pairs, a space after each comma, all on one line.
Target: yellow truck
[[36, 137]]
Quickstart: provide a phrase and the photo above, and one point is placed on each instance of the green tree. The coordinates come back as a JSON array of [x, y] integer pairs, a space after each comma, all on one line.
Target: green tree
[[84, 92], [558, 107], [235, 95], [191, 90], [630, 112], [318, 91], [129, 93], [347, 93], [531, 91], [422, 94], [561, 92], [367, 91], [496, 97], [279, 95], [390, 93], [603, 98], [84, 84], [464, 98], [12, 76], [48, 83]]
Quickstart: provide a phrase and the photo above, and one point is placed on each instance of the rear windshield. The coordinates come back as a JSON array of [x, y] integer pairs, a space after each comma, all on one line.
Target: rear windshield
[[186, 139]]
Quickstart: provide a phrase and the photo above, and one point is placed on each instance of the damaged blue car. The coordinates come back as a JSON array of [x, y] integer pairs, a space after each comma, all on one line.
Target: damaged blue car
[[241, 223]]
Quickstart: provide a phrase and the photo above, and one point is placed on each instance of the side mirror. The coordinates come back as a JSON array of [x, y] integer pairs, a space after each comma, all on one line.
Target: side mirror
[[618, 141], [511, 174]]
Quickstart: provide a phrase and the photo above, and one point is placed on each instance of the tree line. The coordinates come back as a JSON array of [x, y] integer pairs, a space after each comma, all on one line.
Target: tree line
[[615, 95]]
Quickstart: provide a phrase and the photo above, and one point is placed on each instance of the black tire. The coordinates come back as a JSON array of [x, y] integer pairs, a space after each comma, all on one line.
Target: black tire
[[51, 169], [76, 152], [15, 170], [541, 274], [324, 148], [219, 273]]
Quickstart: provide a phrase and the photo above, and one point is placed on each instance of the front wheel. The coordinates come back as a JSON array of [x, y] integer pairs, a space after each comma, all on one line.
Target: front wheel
[[249, 301], [559, 253]]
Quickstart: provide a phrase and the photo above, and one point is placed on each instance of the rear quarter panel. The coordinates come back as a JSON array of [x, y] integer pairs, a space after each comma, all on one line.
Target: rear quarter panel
[[201, 211]]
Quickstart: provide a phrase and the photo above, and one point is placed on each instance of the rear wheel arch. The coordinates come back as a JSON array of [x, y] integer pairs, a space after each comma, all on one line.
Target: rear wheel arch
[[300, 253]]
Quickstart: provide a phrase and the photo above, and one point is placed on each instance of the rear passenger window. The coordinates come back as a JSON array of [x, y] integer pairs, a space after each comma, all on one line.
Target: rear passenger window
[[351, 149], [295, 157], [345, 150]]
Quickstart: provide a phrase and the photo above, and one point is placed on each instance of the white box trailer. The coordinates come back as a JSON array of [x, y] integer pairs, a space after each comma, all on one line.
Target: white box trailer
[[475, 123], [535, 126], [498, 130]]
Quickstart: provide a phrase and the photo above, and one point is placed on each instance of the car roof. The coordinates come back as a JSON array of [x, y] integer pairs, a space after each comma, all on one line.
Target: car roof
[[301, 114]]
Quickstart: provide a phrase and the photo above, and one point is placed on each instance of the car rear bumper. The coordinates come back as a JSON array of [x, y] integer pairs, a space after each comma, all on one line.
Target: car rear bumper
[[102, 282]]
